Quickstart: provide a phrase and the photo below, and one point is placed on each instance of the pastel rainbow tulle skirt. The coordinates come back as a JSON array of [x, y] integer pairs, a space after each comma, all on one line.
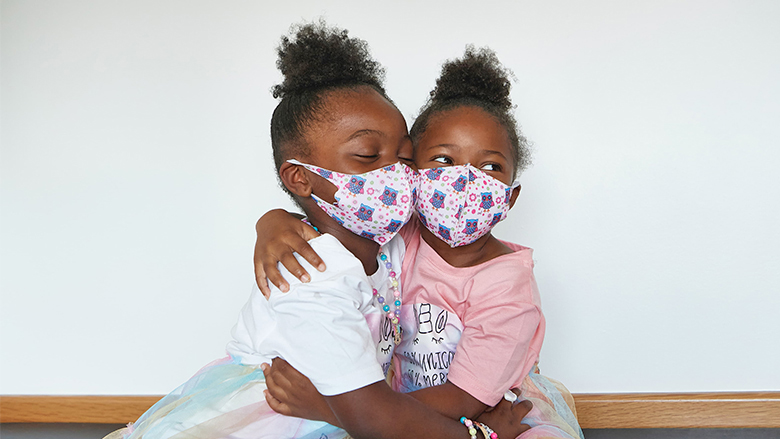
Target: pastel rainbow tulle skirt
[[554, 414], [224, 400]]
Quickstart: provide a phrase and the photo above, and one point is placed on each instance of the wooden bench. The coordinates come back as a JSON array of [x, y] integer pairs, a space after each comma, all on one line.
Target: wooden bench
[[643, 410]]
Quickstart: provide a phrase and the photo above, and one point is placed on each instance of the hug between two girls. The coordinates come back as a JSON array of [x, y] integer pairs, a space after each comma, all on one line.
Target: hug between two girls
[[398, 311]]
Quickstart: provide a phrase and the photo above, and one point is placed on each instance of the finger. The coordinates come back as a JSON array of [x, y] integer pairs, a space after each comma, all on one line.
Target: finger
[[308, 253], [276, 405], [279, 363], [274, 276], [294, 267], [274, 389], [280, 370], [303, 248], [308, 232], [269, 375], [261, 281], [523, 408]]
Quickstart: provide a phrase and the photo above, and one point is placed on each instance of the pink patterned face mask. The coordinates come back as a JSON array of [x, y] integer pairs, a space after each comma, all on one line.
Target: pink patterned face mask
[[374, 205], [460, 204]]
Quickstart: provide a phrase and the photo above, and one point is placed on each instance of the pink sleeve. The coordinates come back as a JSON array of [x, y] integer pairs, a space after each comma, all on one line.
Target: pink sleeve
[[496, 340]]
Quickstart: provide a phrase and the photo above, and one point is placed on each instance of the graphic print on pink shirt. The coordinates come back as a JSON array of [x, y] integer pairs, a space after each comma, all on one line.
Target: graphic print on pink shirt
[[431, 335]]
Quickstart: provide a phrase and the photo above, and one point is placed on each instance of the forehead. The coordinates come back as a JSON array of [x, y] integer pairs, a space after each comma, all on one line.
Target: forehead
[[346, 111], [466, 126]]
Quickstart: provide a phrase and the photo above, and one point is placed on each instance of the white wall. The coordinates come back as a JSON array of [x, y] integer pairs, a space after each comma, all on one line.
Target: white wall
[[135, 159]]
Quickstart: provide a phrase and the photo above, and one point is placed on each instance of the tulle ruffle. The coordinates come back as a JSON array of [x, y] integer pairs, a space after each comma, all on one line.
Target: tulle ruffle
[[554, 414], [224, 400]]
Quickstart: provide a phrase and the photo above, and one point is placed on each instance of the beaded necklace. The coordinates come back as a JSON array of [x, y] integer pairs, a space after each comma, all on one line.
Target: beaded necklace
[[394, 315]]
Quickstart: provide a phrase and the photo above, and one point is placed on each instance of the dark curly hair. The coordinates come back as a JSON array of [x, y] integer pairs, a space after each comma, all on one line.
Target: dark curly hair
[[316, 60], [476, 80]]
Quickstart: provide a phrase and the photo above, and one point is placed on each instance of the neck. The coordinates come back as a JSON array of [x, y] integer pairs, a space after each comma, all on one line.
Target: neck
[[364, 249], [482, 250]]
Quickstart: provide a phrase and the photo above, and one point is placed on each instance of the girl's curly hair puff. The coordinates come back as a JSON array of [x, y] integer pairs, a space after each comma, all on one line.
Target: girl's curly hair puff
[[478, 79], [315, 60]]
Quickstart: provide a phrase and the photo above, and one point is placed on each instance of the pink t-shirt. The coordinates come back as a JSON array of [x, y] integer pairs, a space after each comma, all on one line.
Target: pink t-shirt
[[490, 312]]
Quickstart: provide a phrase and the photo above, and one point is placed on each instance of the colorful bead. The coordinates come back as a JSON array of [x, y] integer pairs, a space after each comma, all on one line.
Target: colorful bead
[[470, 425], [493, 435], [393, 316]]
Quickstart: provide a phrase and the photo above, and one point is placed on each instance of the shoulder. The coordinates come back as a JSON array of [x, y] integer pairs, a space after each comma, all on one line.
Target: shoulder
[[341, 266], [336, 257], [507, 278], [518, 264]]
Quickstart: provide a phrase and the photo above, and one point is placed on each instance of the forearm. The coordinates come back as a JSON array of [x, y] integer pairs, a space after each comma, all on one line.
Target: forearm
[[450, 400], [375, 411]]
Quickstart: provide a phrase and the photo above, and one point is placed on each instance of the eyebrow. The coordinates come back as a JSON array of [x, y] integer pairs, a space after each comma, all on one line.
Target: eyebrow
[[366, 132], [446, 145], [492, 152], [484, 152]]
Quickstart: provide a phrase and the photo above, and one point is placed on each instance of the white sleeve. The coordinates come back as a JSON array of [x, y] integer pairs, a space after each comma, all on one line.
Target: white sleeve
[[318, 327]]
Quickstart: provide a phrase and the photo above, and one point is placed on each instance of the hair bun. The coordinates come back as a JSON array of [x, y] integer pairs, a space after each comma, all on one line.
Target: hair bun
[[477, 75], [318, 56]]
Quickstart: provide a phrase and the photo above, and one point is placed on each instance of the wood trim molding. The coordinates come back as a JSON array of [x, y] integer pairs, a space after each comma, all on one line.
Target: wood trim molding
[[679, 410], [646, 410]]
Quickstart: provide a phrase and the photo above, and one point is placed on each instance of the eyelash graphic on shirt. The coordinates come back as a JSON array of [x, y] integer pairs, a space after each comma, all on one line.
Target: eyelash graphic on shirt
[[385, 350], [437, 340]]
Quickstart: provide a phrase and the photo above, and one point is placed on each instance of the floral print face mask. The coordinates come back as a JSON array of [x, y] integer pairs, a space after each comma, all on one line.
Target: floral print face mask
[[374, 205], [460, 204]]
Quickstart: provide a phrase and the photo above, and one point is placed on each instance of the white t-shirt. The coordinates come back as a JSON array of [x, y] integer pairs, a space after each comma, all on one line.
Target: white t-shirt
[[320, 327]]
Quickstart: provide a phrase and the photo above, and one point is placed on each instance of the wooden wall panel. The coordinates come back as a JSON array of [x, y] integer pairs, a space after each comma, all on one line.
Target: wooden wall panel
[[669, 410]]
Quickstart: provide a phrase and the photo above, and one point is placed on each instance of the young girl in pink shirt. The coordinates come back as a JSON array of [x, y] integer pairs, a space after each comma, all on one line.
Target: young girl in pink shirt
[[471, 325]]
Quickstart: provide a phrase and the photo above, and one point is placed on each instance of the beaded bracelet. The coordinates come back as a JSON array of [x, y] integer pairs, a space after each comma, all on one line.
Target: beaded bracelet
[[470, 425], [487, 431]]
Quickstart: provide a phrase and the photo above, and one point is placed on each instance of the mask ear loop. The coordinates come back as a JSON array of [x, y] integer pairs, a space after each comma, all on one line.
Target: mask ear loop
[[313, 169]]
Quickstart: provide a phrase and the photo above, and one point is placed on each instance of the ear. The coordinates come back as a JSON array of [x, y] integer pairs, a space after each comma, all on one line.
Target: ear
[[302, 182], [295, 179], [513, 197]]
